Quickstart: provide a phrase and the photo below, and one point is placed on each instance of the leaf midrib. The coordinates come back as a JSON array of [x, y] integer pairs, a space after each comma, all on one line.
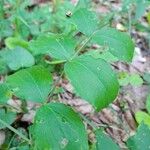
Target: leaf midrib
[[55, 114], [35, 83], [91, 72]]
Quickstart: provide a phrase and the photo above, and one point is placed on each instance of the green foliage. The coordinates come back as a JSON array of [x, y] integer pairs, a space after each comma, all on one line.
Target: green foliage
[[143, 116], [92, 80], [85, 21], [3, 67], [83, 4], [7, 116], [120, 44], [147, 77], [5, 28], [132, 79], [134, 10], [58, 47], [13, 42], [104, 142], [106, 55], [33, 83], [141, 139], [141, 6], [17, 58], [136, 80], [4, 93], [58, 127], [40, 41], [148, 104]]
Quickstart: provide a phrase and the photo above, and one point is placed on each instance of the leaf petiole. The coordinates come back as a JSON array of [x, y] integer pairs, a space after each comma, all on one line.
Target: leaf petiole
[[15, 131]]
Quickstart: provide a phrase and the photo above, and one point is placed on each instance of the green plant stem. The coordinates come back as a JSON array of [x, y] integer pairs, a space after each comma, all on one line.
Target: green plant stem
[[94, 126], [55, 5], [54, 86], [18, 2], [15, 131], [83, 45], [11, 140], [91, 123], [55, 62]]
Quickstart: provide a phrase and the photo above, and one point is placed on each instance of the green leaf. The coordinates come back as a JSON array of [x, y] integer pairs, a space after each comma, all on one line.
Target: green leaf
[[85, 21], [141, 140], [141, 6], [124, 78], [104, 142], [148, 104], [142, 117], [119, 43], [17, 58], [9, 117], [93, 79], [58, 127], [5, 28], [147, 77], [126, 4], [106, 55], [4, 93], [82, 4], [133, 79], [3, 66], [57, 46], [13, 42], [32, 84], [142, 28], [106, 19], [136, 80]]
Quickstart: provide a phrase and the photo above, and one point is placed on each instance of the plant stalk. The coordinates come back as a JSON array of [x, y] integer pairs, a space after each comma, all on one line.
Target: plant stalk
[[54, 86], [55, 5], [83, 45], [15, 131]]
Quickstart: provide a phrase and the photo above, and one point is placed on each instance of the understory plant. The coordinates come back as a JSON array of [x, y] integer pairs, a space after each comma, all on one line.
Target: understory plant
[[31, 57]]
